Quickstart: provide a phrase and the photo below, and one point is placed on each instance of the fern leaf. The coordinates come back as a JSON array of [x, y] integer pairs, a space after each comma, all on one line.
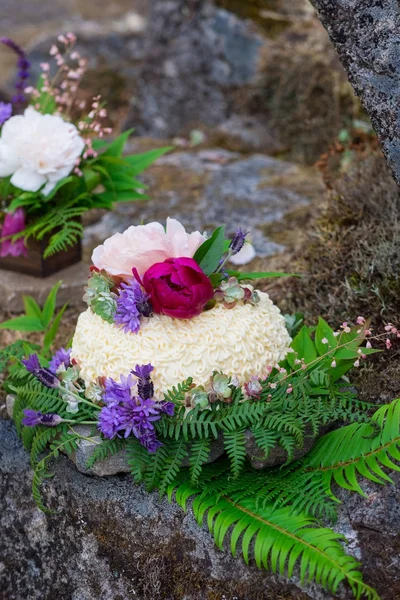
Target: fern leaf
[[358, 449], [199, 453], [282, 540], [176, 452], [139, 459], [235, 447], [104, 450]]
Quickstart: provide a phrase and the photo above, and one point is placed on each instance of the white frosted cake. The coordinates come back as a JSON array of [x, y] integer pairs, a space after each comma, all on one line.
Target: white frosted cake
[[241, 341], [162, 296]]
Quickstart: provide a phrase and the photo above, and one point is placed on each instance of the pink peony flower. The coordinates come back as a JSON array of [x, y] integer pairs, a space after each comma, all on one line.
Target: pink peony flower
[[13, 223], [178, 288], [142, 246]]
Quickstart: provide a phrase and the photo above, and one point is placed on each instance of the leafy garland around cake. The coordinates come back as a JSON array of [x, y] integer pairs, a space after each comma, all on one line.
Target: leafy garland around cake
[[271, 516], [55, 162]]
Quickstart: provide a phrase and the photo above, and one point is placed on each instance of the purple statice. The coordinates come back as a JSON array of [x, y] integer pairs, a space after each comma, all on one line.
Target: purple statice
[[5, 112], [33, 417], [45, 376], [23, 65], [132, 303], [14, 222], [61, 357], [168, 408], [237, 242], [145, 385], [114, 392]]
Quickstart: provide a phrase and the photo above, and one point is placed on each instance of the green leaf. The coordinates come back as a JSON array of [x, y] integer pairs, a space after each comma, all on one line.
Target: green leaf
[[116, 147], [210, 252], [23, 323], [303, 346], [324, 332], [32, 308], [240, 276], [50, 304], [53, 330], [140, 162]]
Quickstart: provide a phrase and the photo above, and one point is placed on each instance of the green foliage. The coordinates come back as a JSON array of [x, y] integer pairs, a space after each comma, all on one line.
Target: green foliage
[[106, 179], [209, 254], [104, 450], [35, 319]]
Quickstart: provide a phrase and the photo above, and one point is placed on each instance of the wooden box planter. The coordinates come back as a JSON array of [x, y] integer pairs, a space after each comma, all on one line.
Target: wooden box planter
[[34, 264]]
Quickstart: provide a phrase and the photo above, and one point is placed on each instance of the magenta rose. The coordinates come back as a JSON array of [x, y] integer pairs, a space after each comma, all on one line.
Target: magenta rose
[[178, 287]]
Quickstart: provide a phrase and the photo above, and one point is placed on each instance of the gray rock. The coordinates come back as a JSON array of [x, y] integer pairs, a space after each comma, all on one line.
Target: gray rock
[[15, 285], [119, 462], [196, 54], [366, 38], [208, 187], [110, 540]]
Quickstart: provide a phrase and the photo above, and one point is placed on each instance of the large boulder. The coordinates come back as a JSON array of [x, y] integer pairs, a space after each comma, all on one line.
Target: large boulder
[[111, 540]]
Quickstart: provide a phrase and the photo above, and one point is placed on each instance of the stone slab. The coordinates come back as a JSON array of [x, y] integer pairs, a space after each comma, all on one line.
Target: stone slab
[[15, 285]]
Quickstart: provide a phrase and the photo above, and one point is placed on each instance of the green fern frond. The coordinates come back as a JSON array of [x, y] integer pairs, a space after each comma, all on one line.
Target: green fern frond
[[66, 237], [40, 398], [359, 449], [280, 540], [139, 459], [104, 450], [177, 452], [177, 393], [199, 453], [40, 442], [235, 447]]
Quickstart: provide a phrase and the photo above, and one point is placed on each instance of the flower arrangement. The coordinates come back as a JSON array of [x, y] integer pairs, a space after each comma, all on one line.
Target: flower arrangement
[[167, 271], [55, 162]]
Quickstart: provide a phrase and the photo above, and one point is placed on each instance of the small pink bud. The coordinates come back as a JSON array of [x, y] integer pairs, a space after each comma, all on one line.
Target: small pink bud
[[53, 50], [289, 390], [45, 67], [368, 332], [333, 364], [62, 39], [357, 363], [324, 341], [368, 345], [388, 344], [336, 333], [71, 37], [388, 327], [360, 320]]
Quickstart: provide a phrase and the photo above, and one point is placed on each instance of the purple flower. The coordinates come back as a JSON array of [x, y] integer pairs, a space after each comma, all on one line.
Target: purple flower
[[23, 65], [5, 112], [33, 417], [145, 385], [237, 242], [45, 376], [61, 357], [149, 441], [132, 302], [118, 392], [143, 371], [168, 408], [110, 419], [139, 416], [13, 223]]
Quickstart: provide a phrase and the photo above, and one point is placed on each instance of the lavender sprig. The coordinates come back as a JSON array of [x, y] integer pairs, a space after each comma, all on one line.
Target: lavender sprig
[[23, 65]]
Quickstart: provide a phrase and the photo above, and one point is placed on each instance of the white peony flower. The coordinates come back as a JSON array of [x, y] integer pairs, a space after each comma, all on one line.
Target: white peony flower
[[38, 150], [142, 246]]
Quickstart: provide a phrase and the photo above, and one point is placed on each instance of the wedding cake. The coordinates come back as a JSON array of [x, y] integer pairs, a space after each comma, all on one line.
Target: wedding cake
[[163, 296]]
